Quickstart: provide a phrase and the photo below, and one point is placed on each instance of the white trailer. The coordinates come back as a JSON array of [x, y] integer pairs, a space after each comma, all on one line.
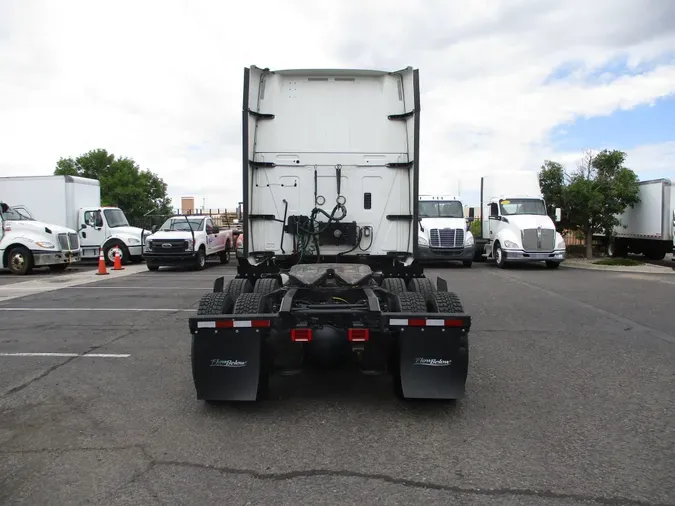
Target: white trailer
[[514, 224], [648, 227], [75, 202]]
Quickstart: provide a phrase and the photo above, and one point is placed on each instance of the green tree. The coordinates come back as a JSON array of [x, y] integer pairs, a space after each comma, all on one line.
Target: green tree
[[601, 188], [552, 184], [123, 183]]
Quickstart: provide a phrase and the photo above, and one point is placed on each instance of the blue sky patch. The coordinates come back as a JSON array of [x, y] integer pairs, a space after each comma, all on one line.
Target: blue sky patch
[[623, 129]]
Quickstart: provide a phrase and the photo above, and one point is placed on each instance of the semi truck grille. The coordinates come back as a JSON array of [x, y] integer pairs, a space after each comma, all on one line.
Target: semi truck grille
[[74, 241], [533, 242], [68, 242], [169, 245], [446, 237]]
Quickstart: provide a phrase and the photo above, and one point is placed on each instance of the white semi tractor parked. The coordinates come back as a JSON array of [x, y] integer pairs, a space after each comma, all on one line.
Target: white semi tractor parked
[[648, 228], [75, 202], [26, 243], [444, 232], [514, 224]]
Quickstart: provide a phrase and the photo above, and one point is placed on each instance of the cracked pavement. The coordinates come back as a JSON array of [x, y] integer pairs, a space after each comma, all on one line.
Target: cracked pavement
[[570, 401]]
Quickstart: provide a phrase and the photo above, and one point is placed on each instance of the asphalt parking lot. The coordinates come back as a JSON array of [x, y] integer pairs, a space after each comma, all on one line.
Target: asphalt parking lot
[[571, 397]]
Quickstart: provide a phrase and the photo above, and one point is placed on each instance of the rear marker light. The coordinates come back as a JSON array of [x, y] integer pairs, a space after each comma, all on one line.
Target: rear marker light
[[358, 335], [301, 335]]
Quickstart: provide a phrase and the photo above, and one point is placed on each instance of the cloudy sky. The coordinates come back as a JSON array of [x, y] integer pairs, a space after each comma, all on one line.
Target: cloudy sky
[[505, 83]]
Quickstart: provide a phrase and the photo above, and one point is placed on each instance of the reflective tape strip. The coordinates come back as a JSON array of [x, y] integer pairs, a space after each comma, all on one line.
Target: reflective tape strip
[[233, 324], [425, 322], [395, 321]]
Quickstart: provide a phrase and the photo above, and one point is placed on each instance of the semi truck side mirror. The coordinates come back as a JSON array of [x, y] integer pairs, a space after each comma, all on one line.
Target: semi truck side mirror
[[558, 214]]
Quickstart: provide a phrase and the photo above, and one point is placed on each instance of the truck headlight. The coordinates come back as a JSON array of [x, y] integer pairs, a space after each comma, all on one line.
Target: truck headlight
[[45, 244], [422, 241], [561, 245], [132, 240], [190, 244], [510, 245], [468, 241]]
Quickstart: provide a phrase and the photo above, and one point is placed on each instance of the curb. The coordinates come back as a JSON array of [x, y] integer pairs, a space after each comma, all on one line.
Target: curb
[[650, 269]]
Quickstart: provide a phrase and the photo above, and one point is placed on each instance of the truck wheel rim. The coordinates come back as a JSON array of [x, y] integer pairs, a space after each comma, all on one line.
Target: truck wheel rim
[[499, 255], [202, 259], [111, 254], [18, 261]]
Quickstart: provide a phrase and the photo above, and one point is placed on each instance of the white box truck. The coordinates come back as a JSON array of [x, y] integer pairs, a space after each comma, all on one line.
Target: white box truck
[[648, 227], [514, 224], [75, 203]]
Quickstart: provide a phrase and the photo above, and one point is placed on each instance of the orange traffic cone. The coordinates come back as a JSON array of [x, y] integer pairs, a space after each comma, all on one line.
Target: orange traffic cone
[[102, 269], [117, 266]]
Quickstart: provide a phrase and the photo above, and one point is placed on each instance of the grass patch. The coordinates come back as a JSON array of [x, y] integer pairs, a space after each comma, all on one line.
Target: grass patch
[[626, 262]]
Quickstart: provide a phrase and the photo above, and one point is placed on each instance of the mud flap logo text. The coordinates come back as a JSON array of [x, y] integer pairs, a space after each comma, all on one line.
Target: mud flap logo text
[[432, 362], [217, 362]]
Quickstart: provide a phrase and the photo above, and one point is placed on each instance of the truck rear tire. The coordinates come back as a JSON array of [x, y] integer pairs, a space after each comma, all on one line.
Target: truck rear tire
[[411, 302], [421, 285], [394, 285], [213, 303], [446, 302], [236, 287], [266, 286]]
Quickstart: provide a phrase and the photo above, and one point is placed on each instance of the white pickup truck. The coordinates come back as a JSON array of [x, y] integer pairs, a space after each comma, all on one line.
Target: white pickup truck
[[26, 243], [187, 240]]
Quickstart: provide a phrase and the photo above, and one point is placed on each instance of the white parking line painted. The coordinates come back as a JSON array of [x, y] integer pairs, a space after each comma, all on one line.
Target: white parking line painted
[[88, 355], [100, 287], [127, 309], [57, 282]]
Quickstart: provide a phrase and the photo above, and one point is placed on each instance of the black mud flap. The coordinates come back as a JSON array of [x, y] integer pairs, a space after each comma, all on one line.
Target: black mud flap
[[433, 355], [228, 361]]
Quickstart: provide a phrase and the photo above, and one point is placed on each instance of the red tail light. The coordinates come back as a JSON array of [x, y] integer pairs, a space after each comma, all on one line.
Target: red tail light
[[358, 335], [301, 335]]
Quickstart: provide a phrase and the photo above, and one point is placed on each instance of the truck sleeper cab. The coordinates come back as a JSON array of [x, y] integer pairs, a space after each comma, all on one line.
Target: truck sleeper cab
[[328, 272]]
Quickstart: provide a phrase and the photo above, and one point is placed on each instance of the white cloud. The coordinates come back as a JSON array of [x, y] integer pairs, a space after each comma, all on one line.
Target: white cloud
[[161, 81]]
